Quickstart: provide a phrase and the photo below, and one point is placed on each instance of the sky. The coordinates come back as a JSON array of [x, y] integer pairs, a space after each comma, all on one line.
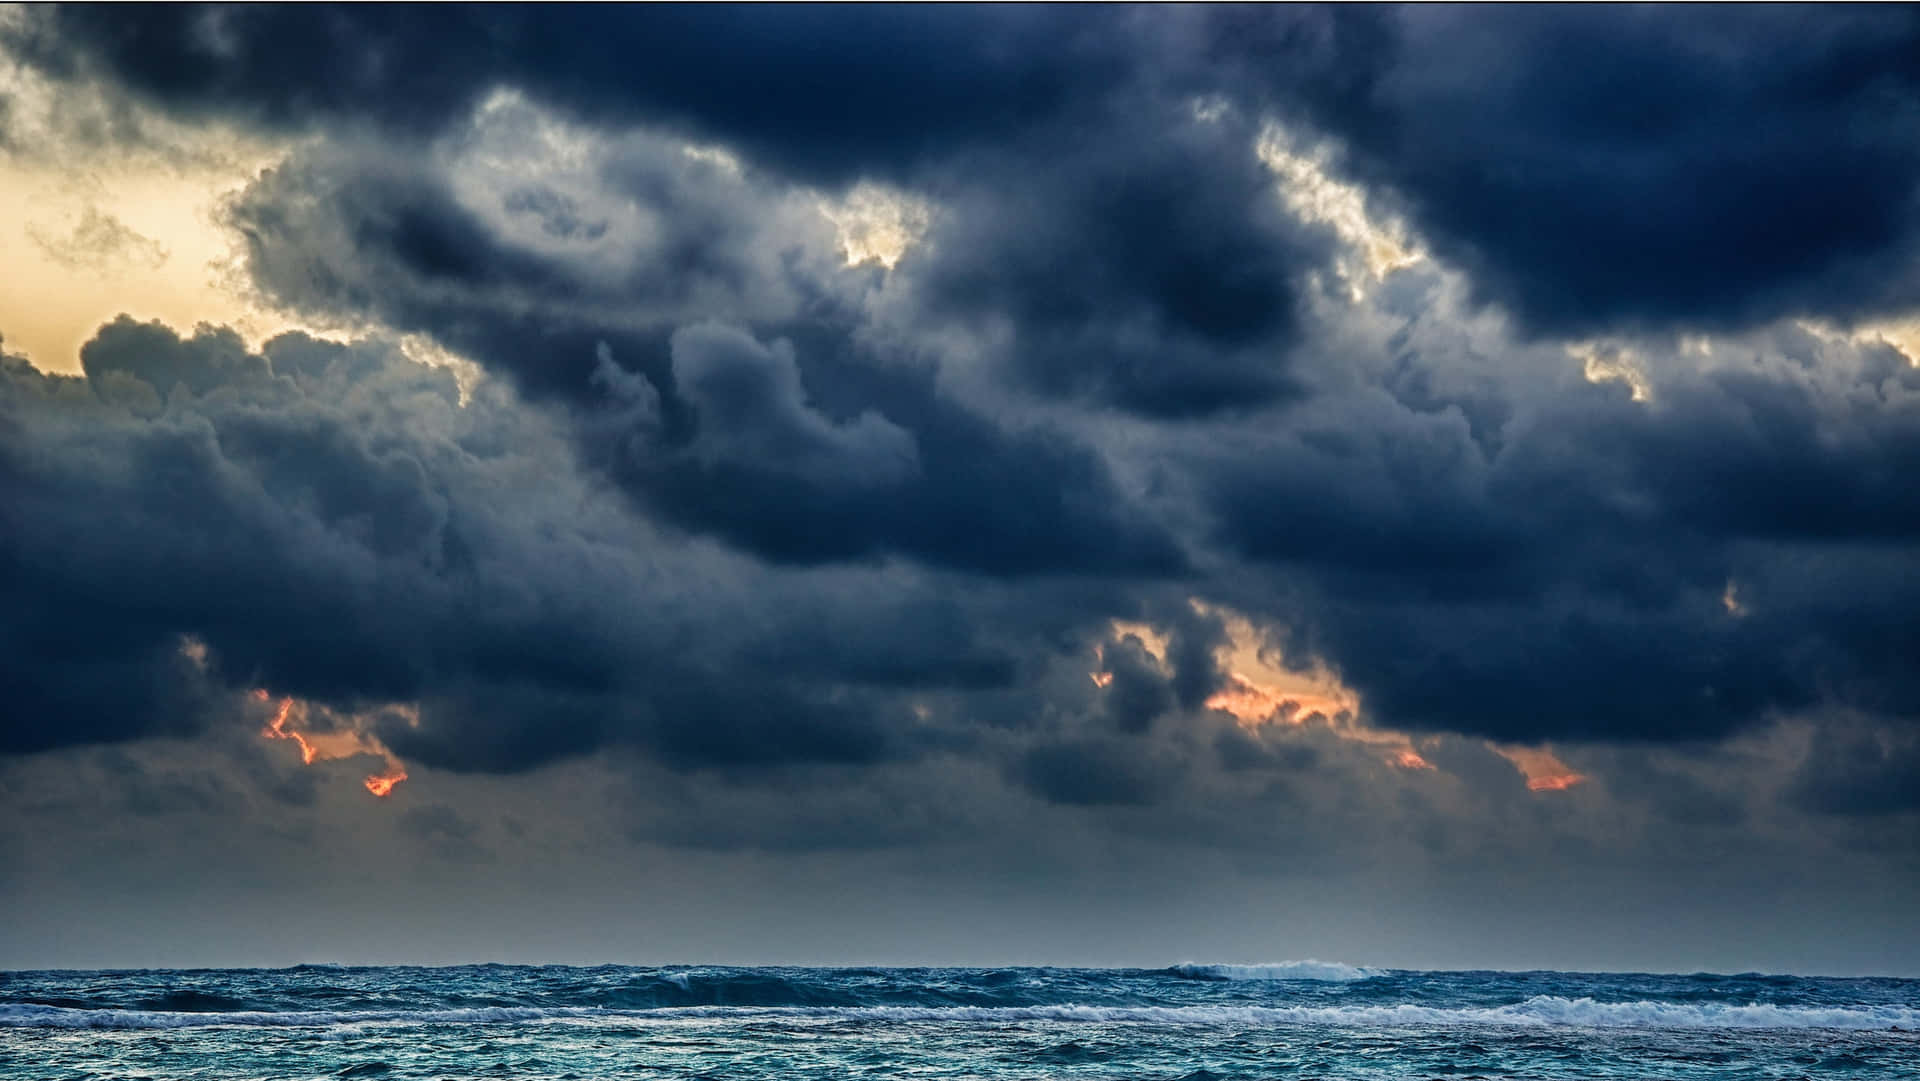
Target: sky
[[1425, 486]]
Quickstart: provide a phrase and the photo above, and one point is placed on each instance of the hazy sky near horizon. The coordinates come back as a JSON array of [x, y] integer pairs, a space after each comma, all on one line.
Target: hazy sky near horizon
[[1426, 487]]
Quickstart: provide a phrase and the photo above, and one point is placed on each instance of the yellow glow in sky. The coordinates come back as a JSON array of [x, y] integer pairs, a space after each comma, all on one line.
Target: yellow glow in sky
[[1605, 363], [1312, 192], [877, 224], [94, 231], [84, 249]]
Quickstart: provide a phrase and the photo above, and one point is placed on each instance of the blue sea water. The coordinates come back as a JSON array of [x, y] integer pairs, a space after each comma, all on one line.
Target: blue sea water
[[1190, 1022]]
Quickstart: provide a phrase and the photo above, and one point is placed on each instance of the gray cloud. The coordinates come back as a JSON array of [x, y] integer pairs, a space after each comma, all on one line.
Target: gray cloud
[[98, 241], [1861, 769], [731, 545], [1509, 587], [1136, 257], [330, 522], [1611, 169], [752, 411]]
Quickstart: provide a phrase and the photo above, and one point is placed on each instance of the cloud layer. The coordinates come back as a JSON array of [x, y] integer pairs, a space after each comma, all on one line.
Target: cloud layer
[[1172, 424]]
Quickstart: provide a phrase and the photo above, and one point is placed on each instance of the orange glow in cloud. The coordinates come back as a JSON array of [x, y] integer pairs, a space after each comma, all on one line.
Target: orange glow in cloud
[[1542, 768], [1248, 704], [277, 728], [1260, 689], [382, 783], [345, 740], [1263, 689], [1255, 704]]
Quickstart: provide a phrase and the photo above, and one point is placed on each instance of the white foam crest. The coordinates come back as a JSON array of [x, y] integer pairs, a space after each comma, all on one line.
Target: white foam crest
[[33, 1016], [1309, 969], [1542, 1010], [1645, 1013]]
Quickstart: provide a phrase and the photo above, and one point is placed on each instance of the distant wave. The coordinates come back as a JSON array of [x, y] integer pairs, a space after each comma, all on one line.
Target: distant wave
[[1329, 971], [1542, 1010], [34, 1016], [1539, 1010]]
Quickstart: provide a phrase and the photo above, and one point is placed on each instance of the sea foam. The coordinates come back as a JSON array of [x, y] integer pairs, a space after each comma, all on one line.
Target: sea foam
[[1329, 971], [1540, 1010]]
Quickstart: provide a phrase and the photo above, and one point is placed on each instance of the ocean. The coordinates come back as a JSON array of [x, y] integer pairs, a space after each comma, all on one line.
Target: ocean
[[1196, 1022]]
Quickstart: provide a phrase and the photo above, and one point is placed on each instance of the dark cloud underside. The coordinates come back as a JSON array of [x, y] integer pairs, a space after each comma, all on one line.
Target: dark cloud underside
[[982, 542]]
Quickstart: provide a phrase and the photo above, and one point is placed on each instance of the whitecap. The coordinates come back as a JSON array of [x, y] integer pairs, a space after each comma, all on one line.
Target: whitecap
[[1310, 969], [1541, 1010]]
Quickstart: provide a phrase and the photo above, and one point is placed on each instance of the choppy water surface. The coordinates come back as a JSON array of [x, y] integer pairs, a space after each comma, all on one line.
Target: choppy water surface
[[1197, 1022]]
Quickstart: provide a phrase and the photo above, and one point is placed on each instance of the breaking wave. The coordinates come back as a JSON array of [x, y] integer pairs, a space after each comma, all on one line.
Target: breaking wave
[[1330, 971], [1540, 1010]]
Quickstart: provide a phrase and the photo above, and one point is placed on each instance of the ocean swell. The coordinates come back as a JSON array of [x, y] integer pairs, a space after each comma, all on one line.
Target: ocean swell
[[1540, 1010], [1327, 971]]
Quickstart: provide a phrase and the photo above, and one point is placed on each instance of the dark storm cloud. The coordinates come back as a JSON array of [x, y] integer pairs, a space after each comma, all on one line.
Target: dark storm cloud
[[1673, 569], [1683, 788], [927, 478], [1860, 769], [825, 96], [1116, 371], [1758, 457], [886, 636], [1591, 169], [444, 832], [1136, 254], [752, 412], [91, 677], [1194, 639], [776, 605], [1093, 772], [331, 522], [1137, 684], [1602, 168], [1140, 687], [1135, 246], [500, 270], [183, 489], [795, 443]]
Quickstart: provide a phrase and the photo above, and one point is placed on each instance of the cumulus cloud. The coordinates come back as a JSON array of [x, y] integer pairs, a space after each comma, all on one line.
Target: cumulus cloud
[[1139, 257], [1110, 493], [329, 521], [752, 410], [1606, 169]]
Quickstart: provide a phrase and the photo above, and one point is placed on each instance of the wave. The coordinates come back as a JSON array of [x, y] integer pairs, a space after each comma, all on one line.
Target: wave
[[1541, 1010], [717, 988], [37, 1016], [1326, 971], [188, 1000]]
